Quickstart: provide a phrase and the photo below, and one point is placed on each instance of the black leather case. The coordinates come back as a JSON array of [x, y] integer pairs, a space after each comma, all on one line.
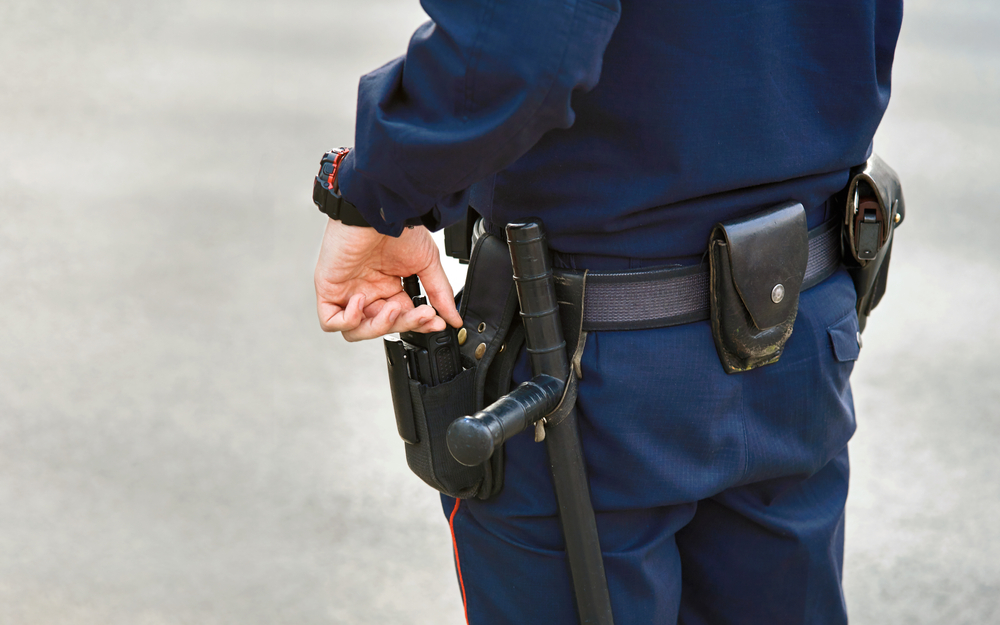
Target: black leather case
[[757, 265]]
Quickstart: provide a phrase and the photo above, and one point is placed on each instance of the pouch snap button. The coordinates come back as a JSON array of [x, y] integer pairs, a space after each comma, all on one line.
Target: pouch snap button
[[778, 293]]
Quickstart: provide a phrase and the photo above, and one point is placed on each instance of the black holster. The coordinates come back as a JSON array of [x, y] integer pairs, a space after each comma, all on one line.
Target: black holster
[[490, 340], [874, 207]]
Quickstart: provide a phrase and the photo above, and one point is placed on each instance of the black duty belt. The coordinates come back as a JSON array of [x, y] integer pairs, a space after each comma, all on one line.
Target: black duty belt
[[670, 296]]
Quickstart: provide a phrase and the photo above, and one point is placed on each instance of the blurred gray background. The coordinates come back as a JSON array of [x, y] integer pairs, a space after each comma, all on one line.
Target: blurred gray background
[[179, 443]]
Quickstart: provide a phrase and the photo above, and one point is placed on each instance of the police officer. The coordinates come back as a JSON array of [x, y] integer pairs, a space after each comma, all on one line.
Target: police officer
[[632, 127]]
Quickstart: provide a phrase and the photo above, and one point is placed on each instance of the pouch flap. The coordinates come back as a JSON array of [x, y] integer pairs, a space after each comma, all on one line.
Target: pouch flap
[[489, 305], [768, 253], [844, 336], [490, 280]]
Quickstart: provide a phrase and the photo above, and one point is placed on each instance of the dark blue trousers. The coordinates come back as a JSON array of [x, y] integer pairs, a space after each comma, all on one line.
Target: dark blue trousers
[[719, 498]]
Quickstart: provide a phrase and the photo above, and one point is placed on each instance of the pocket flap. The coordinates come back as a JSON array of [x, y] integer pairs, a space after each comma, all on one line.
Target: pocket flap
[[844, 337], [768, 253]]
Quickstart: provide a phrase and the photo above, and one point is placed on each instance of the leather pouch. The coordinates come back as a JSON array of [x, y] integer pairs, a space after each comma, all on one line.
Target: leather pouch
[[874, 204], [757, 265]]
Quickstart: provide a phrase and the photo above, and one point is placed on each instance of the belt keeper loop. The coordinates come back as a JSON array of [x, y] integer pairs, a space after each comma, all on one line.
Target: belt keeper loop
[[568, 399]]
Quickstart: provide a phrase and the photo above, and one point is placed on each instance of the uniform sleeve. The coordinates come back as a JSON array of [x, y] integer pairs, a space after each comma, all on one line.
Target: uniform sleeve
[[479, 85]]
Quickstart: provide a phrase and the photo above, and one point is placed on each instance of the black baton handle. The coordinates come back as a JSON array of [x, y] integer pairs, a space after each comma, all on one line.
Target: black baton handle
[[536, 293], [547, 351], [471, 440]]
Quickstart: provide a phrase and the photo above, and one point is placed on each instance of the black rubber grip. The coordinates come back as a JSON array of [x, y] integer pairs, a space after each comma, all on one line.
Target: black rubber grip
[[536, 293], [471, 440]]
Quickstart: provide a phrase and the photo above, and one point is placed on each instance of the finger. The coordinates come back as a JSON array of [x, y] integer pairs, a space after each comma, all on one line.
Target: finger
[[440, 294], [401, 298], [374, 327], [373, 309], [333, 318], [435, 324], [419, 317]]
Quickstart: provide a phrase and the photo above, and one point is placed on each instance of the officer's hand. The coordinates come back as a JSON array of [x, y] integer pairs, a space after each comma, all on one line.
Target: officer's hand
[[358, 288]]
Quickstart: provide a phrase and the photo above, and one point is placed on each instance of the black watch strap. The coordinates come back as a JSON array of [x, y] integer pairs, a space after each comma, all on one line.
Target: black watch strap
[[336, 207], [327, 199]]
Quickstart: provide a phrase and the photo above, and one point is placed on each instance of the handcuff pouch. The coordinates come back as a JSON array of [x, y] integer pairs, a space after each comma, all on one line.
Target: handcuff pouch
[[757, 265]]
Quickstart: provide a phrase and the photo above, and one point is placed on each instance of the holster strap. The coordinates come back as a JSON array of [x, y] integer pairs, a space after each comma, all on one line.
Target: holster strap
[[670, 296], [488, 308]]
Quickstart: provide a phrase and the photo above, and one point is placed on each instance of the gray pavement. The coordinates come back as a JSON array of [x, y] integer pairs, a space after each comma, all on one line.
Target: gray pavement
[[180, 444]]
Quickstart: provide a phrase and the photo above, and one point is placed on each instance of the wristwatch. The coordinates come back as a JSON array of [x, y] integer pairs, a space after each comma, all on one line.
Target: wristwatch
[[326, 192]]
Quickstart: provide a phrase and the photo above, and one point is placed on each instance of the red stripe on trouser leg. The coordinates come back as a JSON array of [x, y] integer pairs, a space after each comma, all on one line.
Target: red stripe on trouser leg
[[458, 563]]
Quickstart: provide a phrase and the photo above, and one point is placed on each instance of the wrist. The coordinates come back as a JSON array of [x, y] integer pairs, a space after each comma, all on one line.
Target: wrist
[[357, 234]]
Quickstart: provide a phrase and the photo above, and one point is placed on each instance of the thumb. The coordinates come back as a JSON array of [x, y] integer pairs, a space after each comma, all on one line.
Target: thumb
[[440, 294]]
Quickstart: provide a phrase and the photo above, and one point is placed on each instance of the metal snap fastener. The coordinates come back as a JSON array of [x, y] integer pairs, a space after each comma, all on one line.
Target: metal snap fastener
[[778, 293], [481, 328], [462, 335], [540, 430], [897, 218], [480, 350]]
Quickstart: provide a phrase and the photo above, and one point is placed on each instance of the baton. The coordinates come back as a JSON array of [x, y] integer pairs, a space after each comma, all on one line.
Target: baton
[[472, 440]]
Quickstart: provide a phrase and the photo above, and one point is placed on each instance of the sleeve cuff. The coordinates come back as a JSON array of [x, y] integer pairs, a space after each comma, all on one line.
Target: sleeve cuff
[[364, 196], [389, 213]]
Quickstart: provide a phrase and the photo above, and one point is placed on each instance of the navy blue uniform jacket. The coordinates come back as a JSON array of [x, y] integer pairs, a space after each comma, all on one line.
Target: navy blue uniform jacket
[[630, 127]]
